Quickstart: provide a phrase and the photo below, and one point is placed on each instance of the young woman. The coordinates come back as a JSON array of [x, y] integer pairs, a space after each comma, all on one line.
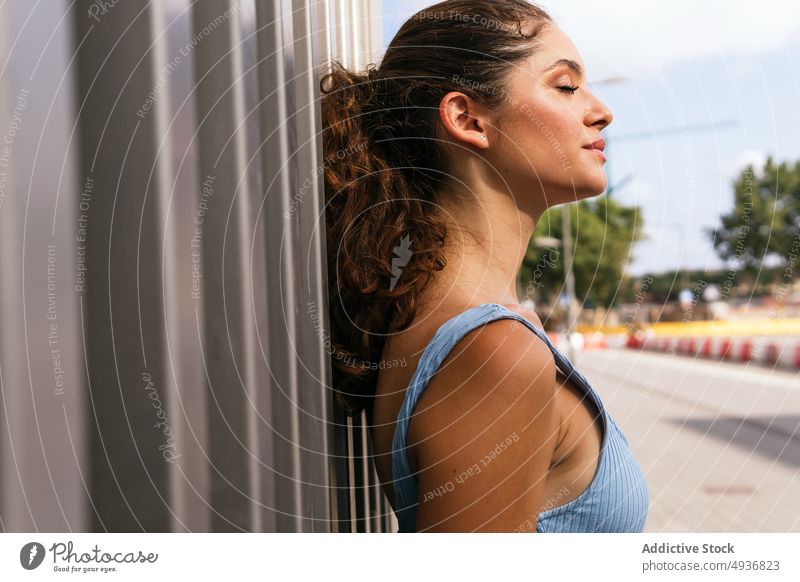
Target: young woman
[[438, 165]]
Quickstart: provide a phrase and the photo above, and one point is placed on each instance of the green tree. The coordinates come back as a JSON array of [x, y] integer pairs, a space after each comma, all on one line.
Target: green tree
[[765, 218], [603, 234]]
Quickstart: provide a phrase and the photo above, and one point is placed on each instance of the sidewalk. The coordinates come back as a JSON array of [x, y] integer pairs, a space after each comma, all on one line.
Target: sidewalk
[[718, 442]]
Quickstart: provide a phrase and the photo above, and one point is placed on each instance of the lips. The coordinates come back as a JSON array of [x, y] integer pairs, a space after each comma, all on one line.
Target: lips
[[596, 145], [597, 148]]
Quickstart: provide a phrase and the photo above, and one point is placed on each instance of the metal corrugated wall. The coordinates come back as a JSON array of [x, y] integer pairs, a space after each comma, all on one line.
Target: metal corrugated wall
[[163, 300], [43, 409]]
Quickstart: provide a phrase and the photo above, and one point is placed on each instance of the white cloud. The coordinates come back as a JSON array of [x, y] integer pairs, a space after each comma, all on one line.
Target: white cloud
[[633, 37], [639, 35], [733, 168]]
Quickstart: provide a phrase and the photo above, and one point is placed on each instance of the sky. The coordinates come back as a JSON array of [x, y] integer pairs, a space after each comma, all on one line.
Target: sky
[[720, 77]]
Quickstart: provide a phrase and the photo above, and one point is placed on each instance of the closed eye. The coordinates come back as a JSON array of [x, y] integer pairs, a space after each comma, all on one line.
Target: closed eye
[[567, 89]]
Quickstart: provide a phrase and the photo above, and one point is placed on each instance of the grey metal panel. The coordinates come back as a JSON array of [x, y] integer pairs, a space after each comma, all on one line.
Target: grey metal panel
[[375, 493], [162, 181], [123, 306], [179, 192], [42, 415], [324, 33], [341, 465], [230, 346], [280, 394], [315, 375], [256, 259], [165, 100], [373, 25], [363, 481], [299, 404], [341, 471]]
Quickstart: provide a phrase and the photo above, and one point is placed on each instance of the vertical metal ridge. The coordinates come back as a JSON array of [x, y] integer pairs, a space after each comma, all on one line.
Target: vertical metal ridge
[[125, 336], [275, 71], [246, 242], [227, 292], [183, 318], [43, 421], [163, 178], [315, 409]]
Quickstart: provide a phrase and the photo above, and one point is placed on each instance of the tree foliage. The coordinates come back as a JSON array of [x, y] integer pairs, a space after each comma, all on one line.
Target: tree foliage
[[764, 222], [603, 234]]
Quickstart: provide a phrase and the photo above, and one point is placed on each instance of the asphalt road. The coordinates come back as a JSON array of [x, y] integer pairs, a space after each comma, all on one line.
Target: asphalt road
[[719, 442]]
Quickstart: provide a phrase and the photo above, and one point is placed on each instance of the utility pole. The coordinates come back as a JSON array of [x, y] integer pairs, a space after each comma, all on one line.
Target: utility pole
[[566, 247]]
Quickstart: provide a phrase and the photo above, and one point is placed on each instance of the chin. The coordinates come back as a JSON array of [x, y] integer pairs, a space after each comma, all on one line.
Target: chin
[[597, 191], [584, 191], [591, 188]]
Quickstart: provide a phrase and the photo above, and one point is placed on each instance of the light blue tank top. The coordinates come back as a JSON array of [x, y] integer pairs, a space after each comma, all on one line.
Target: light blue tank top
[[616, 500]]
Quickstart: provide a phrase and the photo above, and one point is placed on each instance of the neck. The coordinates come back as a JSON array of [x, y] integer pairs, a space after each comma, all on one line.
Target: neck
[[487, 240]]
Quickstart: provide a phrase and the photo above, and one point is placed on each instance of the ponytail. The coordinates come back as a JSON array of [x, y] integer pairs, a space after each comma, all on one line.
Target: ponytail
[[383, 240]]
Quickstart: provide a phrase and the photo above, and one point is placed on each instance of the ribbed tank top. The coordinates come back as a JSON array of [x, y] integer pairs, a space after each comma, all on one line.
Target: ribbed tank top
[[616, 500]]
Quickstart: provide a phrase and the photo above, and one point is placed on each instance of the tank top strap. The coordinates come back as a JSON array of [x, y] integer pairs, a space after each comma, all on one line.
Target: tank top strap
[[437, 350]]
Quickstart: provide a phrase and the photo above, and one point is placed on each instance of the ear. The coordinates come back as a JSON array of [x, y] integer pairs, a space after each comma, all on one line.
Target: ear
[[464, 119]]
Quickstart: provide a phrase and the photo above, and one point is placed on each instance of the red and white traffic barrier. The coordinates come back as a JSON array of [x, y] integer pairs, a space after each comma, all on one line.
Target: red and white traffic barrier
[[770, 351], [765, 350]]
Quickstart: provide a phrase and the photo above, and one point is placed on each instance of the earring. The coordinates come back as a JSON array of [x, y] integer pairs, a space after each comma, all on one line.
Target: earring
[[483, 137]]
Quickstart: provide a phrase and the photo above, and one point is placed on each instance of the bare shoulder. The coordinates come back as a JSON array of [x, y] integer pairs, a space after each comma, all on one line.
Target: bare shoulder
[[484, 431], [528, 313]]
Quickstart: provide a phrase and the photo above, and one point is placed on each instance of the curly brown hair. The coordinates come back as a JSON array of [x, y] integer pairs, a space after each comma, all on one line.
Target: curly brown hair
[[385, 167]]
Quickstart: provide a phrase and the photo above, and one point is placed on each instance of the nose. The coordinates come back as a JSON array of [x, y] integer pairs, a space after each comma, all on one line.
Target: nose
[[598, 114]]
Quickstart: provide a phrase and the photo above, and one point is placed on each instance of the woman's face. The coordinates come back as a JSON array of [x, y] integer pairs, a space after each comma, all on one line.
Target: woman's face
[[545, 125]]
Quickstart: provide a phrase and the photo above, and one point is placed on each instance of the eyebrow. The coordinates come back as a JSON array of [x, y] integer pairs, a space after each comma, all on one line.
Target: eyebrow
[[568, 63]]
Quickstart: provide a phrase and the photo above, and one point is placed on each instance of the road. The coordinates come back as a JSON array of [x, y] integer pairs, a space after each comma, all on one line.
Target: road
[[719, 442]]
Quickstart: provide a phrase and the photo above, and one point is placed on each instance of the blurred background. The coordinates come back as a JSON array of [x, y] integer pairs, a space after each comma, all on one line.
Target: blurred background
[[163, 312]]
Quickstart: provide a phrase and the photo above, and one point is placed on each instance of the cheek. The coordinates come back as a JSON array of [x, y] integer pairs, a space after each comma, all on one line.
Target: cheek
[[544, 123]]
